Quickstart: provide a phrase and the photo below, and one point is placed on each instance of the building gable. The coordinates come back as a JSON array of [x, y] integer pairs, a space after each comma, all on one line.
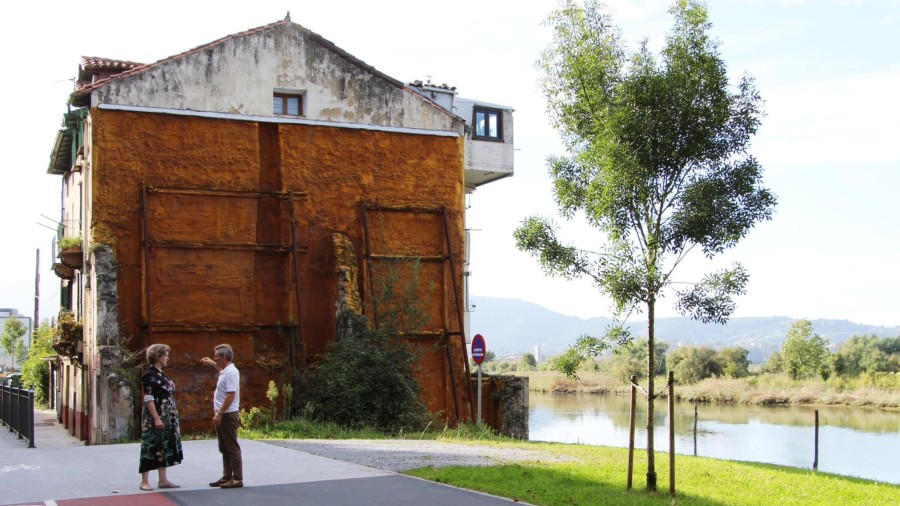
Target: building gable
[[240, 74]]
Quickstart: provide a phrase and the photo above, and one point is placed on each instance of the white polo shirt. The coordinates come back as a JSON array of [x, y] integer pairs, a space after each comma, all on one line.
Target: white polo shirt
[[229, 381]]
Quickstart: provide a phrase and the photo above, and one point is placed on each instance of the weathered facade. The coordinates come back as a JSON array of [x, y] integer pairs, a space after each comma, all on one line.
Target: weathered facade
[[224, 193]]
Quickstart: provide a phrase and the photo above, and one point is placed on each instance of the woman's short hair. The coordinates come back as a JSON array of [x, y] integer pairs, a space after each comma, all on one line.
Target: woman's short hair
[[155, 351], [225, 351]]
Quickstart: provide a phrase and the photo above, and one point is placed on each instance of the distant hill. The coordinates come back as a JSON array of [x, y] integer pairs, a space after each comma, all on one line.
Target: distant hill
[[512, 326]]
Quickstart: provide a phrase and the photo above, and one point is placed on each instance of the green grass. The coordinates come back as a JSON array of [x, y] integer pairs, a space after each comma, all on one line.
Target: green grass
[[302, 428], [598, 476]]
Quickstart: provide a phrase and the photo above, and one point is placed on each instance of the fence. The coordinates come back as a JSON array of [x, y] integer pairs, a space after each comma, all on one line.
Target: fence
[[17, 411]]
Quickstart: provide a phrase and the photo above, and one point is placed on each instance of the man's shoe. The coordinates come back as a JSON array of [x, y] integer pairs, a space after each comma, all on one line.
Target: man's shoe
[[219, 482], [232, 484]]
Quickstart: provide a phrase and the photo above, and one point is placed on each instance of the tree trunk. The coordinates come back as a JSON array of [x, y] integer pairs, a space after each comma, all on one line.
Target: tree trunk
[[651, 370]]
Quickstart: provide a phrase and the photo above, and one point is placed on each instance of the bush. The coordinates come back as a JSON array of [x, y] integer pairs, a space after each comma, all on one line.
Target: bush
[[36, 370], [366, 381]]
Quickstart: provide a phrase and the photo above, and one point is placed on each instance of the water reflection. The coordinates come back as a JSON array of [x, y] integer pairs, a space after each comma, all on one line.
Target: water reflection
[[852, 441]]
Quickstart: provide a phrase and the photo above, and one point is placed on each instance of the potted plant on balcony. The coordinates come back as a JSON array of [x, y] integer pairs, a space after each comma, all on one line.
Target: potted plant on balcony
[[68, 336], [70, 252]]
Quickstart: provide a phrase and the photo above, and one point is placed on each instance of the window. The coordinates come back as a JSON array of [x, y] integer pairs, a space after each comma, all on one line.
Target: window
[[287, 104], [488, 124]]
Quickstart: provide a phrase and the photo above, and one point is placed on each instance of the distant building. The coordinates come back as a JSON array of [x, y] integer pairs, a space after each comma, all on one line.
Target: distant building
[[6, 361], [537, 354]]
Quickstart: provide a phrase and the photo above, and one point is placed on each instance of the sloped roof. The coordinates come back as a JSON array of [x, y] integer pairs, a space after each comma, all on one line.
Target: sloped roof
[[97, 64], [81, 95], [92, 66]]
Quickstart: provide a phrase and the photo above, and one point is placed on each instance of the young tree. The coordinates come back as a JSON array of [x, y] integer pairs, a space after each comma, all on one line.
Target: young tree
[[11, 340], [774, 364], [528, 362], [804, 352], [657, 159]]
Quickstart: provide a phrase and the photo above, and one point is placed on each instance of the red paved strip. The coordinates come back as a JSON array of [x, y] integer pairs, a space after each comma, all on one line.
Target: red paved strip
[[145, 499]]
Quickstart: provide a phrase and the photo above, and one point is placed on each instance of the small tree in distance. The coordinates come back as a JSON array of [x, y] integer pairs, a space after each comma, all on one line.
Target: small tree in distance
[[11, 340], [529, 363], [657, 160], [804, 353]]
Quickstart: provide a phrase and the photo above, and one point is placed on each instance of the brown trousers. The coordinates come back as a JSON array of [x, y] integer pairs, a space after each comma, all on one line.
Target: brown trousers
[[227, 433]]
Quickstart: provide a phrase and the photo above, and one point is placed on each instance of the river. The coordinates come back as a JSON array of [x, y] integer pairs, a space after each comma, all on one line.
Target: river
[[859, 442]]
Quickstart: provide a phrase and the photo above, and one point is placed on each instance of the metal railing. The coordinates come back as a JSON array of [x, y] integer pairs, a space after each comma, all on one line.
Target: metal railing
[[17, 411]]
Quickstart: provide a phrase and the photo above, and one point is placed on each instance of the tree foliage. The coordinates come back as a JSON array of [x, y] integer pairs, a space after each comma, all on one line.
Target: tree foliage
[[528, 363], [657, 159], [693, 363], [36, 370], [804, 354], [11, 340], [868, 354], [735, 361], [630, 359]]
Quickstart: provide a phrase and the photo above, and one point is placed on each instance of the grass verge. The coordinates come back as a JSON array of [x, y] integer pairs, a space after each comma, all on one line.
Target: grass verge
[[302, 428], [597, 477]]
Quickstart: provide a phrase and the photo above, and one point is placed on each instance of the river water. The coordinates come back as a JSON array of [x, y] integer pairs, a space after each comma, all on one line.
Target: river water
[[859, 442]]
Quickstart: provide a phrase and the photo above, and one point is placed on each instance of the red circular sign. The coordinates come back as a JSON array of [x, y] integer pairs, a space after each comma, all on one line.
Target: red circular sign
[[478, 349]]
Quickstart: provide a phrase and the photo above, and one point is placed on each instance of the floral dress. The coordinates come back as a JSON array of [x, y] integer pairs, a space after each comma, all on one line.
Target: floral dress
[[159, 447]]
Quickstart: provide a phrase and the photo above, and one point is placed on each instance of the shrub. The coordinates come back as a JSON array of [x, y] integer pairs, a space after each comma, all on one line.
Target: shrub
[[36, 370], [366, 378], [366, 381]]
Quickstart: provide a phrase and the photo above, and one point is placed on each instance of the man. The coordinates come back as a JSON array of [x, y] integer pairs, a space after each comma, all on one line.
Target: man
[[226, 419]]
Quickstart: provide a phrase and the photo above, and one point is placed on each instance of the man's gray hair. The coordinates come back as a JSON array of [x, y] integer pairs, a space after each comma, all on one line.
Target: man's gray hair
[[225, 351]]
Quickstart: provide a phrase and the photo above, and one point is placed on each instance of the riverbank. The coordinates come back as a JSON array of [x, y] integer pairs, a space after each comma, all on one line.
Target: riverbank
[[754, 390]]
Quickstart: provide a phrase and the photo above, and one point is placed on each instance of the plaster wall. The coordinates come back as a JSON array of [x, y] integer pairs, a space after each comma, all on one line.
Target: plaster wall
[[239, 75]]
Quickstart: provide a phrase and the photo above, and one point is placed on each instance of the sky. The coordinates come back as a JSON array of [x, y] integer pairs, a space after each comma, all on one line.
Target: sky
[[828, 71]]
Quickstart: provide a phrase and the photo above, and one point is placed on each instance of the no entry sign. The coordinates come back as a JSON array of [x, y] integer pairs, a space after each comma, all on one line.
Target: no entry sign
[[478, 349]]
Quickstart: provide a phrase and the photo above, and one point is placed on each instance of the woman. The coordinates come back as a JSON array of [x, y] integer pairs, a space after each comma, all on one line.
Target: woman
[[160, 437]]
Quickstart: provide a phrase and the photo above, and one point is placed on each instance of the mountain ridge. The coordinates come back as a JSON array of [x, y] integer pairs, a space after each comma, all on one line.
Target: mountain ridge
[[514, 326]]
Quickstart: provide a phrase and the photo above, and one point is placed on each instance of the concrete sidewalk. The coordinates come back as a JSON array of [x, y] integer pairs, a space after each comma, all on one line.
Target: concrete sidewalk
[[61, 470]]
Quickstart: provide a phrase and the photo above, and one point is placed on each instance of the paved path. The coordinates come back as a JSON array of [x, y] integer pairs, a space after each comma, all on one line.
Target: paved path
[[62, 471]]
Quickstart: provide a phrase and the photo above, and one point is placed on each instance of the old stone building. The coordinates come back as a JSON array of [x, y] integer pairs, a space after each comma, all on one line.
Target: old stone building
[[241, 192]]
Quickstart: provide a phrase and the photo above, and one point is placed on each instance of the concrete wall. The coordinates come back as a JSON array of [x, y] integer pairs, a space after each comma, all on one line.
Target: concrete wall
[[487, 160]]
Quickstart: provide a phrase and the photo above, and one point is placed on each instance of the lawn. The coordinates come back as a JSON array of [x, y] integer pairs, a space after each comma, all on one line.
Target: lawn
[[597, 475]]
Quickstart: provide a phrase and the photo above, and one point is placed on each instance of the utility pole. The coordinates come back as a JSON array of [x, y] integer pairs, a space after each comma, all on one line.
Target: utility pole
[[37, 293]]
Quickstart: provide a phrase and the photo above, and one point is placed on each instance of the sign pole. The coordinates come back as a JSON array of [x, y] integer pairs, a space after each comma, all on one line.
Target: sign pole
[[479, 350], [479, 395]]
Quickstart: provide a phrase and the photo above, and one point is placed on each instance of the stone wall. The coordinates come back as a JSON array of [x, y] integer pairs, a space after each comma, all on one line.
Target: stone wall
[[504, 403]]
